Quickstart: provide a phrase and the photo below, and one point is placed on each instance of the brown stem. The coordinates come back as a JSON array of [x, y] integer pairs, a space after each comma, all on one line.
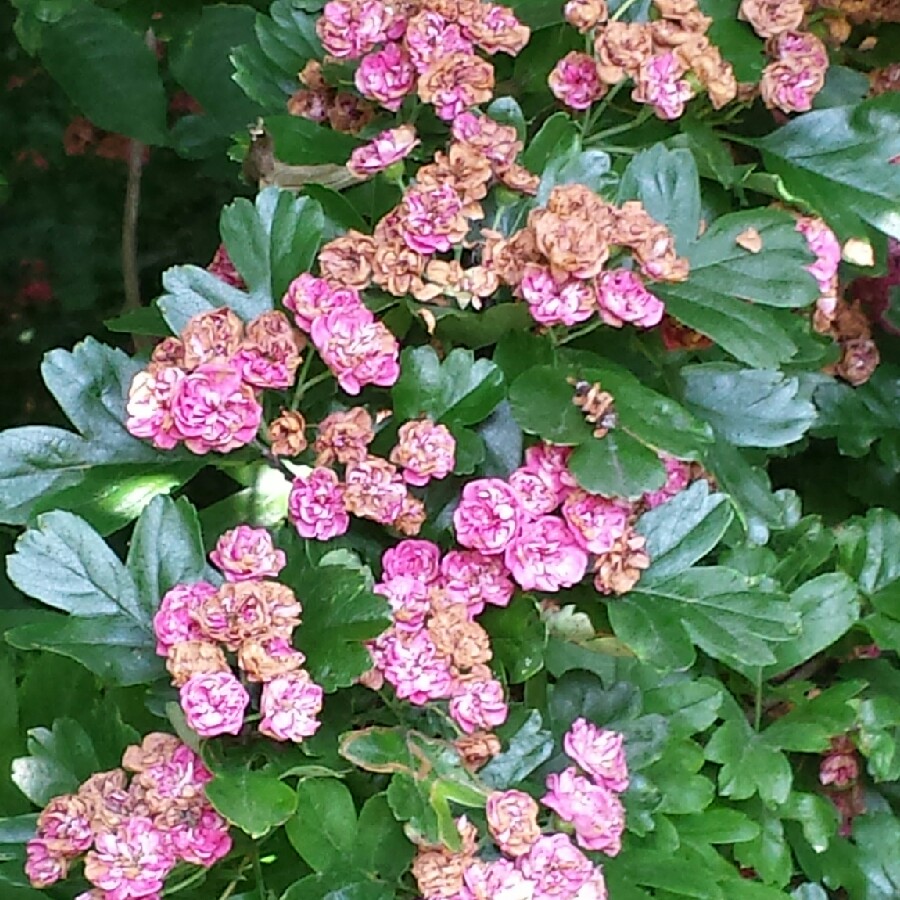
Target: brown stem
[[130, 270]]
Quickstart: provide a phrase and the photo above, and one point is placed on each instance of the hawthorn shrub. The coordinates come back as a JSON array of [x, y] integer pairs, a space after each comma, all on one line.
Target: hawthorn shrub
[[429, 546]]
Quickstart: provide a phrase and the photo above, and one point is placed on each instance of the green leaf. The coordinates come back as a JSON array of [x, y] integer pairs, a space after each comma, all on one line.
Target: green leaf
[[273, 240], [376, 749], [667, 184], [192, 290], [381, 849], [809, 726], [525, 750], [104, 473], [749, 333], [58, 761], [775, 276], [340, 613], [144, 320], [718, 826], [591, 168], [768, 853], [654, 419], [735, 39], [750, 765], [541, 402], [683, 530], [718, 609], [266, 68], [166, 549], [301, 142], [617, 465], [877, 838], [750, 407], [557, 134], [458, 391], [200, 61], [323, 829], [838, 161], [518, 637], [253, 801], [108, 72], [828, 607], [65, 564], [333, 886], [676, 876]]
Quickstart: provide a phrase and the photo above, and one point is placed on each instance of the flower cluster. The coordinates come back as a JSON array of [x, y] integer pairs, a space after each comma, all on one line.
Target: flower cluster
[[416, 247], [534, 865], [846, 322], [539, 528], [797, 72], [435, 650], [665, 59], [321, 501], [319, 102], [839, 775], [356, 347], [426, 47], [559, 263], [203, 388], [252, 618], [131, 834], [588, 799]]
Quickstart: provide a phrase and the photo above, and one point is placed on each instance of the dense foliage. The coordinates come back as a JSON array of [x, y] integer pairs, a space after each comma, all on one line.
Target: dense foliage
[[510, 509]]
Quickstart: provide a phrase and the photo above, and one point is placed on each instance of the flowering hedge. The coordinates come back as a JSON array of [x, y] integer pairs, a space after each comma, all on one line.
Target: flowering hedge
[[459, 531]]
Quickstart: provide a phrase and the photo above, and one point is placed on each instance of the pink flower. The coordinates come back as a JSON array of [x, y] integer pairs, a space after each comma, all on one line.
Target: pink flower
[[595, 522], [289, 706], [309, 298], [472, 578], [599, 752], [495, 29], [594, 888], [792, 80], [499, 143], [431, 219], [839, 769], [678, 477], [173, 622], [386, 76], [149, 406], [357, 348], [212, 409], [349, 28], [412, 664], [42, 867], [409, 600], [660, 84], [429, 36], [478, 704], [374, 490], [575, 81], [382, 151], [488, 516], [415, 558], [456, 82], [595, 812], [553, 303], [203, 840], [558, 867], [801, 46], [223, 268], [316, 505], [64, 826], [623, 298], [535, 493], [551, 462], [245, 553], [214, 703], [822, 241], [131, 862], [545, 556], [424, 450], [496, 880], [177, 780], [512, 821]]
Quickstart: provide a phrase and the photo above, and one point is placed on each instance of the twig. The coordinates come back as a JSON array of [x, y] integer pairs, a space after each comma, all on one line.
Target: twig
[[130, 271]]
